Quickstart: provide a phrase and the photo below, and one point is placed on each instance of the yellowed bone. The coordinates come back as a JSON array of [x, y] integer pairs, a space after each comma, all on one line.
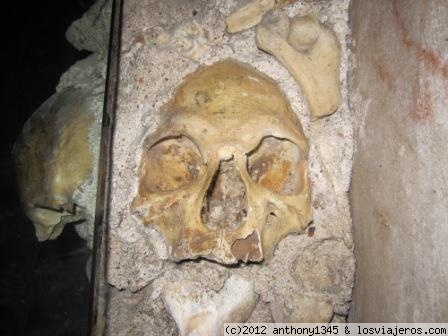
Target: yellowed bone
[[225, 175], [310, 53], [249, 15], [53, 160]]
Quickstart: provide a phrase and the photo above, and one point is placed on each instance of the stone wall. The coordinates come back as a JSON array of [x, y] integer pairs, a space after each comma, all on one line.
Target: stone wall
[[310, 276]]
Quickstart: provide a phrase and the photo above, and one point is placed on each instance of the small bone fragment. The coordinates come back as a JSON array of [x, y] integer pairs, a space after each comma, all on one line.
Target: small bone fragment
[[249, 15], [302, 308], [321, 268], [311, 55], [189, 40], [200, 312]]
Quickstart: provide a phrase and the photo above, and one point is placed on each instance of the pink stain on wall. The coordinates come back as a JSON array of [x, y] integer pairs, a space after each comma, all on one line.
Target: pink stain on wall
[[422, 107], [425, 55], [384, 74]]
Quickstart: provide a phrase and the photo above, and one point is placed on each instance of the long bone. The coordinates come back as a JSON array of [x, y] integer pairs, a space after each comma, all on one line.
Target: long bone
[[310, 53]]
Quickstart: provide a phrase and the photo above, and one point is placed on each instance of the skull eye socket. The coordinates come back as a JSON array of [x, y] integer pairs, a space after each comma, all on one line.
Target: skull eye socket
[[171, 164], [277, 165]]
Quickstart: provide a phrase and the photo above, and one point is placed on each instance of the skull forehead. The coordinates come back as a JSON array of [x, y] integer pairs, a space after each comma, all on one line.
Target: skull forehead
[[230, 93]]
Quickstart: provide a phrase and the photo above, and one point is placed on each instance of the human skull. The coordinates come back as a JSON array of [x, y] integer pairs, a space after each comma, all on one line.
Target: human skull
[[224, 177], [56, 159]]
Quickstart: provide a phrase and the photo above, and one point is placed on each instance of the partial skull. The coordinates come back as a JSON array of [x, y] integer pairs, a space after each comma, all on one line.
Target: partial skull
[[225, 175], [56, 157]]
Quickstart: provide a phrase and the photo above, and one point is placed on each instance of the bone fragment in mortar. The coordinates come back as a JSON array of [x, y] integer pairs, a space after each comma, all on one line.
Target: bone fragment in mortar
[[302, 308], [249, 15], [201, 313], [311, 54], [225, 175]]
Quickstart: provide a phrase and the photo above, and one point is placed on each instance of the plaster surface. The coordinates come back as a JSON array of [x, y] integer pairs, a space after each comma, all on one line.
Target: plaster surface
[[399, 90]]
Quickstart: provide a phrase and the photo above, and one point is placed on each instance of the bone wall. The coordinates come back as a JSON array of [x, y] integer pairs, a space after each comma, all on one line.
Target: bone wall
[[399, 193], [310, 276]]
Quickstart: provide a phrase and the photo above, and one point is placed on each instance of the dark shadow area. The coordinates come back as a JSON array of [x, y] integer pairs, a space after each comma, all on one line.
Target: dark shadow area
[[43, 286]]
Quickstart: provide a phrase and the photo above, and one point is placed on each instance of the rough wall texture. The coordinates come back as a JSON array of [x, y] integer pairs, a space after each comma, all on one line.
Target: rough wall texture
[[162, 42], [399, 188]]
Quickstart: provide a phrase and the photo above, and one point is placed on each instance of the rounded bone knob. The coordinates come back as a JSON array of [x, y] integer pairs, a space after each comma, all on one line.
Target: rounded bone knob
[[303, 32]]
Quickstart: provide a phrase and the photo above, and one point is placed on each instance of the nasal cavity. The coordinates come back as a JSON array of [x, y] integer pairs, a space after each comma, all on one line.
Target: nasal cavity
[[225, 203]]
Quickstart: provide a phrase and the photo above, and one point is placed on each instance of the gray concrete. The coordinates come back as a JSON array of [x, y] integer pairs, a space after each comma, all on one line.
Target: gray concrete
[[399, 193]]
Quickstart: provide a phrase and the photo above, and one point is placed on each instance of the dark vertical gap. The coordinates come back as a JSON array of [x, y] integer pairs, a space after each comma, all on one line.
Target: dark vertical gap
[[98, 296]]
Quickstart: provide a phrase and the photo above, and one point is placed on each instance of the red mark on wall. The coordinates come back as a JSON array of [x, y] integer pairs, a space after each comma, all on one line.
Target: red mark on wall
[[422, 109], [383, 73], [140, 38], [425, 55]]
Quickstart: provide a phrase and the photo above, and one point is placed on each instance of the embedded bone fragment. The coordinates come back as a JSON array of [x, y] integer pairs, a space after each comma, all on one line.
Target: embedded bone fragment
[[302, 308], [54, 159], [322, 267], [225, 175], [249, 15], [310, 53], [190, 40], [203, 313]]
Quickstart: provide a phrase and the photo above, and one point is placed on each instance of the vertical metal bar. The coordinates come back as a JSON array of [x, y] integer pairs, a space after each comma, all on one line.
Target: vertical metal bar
[[98, 289]]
